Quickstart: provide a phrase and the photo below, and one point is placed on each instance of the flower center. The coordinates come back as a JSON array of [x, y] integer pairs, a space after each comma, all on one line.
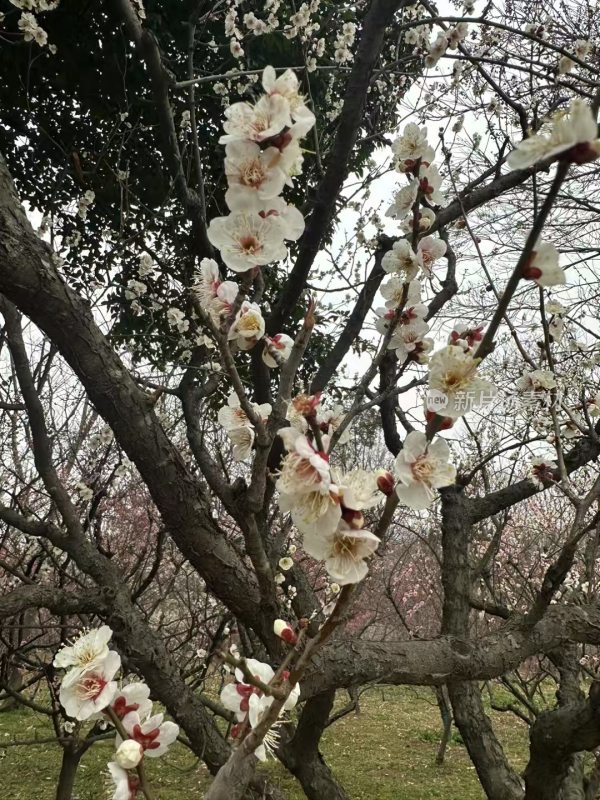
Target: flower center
[[346, 547], [423, 469], [250, 244], [91, 688], [252, 175]]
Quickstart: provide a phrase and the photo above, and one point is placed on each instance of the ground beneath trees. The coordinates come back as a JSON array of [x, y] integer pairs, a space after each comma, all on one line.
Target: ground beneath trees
[[386, 753]]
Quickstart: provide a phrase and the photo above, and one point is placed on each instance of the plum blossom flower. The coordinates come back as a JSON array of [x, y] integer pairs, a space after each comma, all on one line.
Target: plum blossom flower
[[465, 336], [436, 50], [253, 175], [541, 471], [453, 378], [429, 250], [235, 696], [359, 489], [573, 136], [421, 467], [394, 292], [256, 123], [248, 326], [238, 427], [290, 220], [537, 380], [404, 200], [32, 31], [247, 240], [84, 693], [134, 696], [87, 651], [287, 86], [430, 182], [233, 416], [217, 297], [426, 218], [277, 349], [412, 144], [125, 784], [402, 260], [543, 267], [129, 754], [343, 551], [330, 419], [302, 407], [154, 735]]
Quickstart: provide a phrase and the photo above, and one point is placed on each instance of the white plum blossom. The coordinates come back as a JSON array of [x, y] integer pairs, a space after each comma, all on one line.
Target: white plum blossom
[[429, 250], [543, 267], [436, 50], [412, 144], [84, 693], [238, 427], [277, 349], [248, 326], [573, 136], [253, 175], [421, 467], [125, 784], [430, 182], [404, 200], [217, 297], [402, 260], [86, 652], [287, 86], [457, 34], [537, 380], [154, 734], [176, 319], [247, 240], [256, 123], [541, 471], [426, 218], [394, 292], [31, 30], [134, 696], [330, 419], [343, 551], [453, 379]]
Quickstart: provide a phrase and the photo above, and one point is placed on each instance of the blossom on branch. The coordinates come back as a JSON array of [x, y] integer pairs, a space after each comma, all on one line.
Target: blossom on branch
[[421, 467], [573, 136]]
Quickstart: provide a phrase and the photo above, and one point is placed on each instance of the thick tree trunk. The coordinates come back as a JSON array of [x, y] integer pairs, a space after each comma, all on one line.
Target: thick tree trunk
[[301, 754], [498, 779], [68, 770]]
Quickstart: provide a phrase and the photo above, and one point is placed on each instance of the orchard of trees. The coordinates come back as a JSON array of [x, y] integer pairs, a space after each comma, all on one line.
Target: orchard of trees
[[300, 380]]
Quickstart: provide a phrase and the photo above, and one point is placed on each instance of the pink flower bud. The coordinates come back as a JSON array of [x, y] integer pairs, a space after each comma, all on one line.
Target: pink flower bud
[[284, 631], [385, 482]]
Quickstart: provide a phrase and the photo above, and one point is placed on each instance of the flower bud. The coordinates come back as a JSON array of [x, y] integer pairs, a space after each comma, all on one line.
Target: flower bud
[[284, 631], [129, 754], [447, 422], [385, 482]]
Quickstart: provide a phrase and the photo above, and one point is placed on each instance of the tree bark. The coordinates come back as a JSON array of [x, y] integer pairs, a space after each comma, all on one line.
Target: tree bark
[[301, 754], [71, 756], [498, 779]]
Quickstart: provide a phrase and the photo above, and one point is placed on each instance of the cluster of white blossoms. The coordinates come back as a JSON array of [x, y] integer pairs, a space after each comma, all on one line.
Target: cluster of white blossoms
[[326, 504], [249, 702], [246, 325], [571, 136], [29, 26], [412, 258], [89, 691], [262, 155]]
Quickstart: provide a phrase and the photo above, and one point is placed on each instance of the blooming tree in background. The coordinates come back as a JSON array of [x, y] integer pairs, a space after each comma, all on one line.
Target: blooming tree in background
[[300, 377]]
